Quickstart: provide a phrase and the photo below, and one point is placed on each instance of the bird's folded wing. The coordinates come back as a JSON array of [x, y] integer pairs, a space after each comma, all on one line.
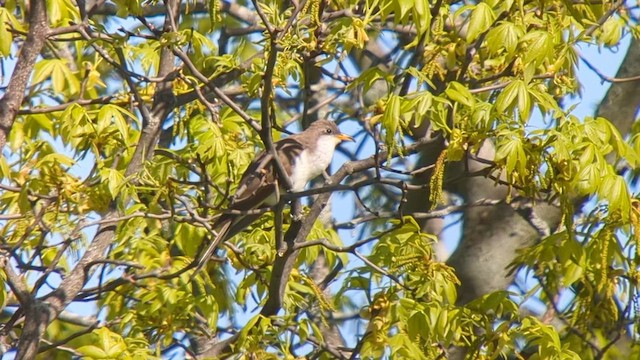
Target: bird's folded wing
[[259, 181]]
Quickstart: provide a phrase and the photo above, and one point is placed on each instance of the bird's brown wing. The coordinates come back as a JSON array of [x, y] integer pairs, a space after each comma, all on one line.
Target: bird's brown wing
[[257, 185], [258, 182]]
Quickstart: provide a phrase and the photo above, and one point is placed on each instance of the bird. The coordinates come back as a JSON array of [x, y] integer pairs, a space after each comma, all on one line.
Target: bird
[[303, 157]]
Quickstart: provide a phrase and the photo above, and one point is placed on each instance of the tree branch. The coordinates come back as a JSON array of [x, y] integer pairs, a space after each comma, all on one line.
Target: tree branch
[[12, 99]]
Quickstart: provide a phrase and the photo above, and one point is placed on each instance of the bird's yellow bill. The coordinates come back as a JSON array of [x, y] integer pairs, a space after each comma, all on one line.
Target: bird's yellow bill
[[345, 137]]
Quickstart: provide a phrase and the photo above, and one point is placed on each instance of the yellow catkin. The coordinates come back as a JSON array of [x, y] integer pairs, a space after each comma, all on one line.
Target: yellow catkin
[[305, 9], [435, 184], [605, 254], [404, 260], [320, 296], [635, 222], [312, 8], [379, 322], [582, 313], [315, 11]]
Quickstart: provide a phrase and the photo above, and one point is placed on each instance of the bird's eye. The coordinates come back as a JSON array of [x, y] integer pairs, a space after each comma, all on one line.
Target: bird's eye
[[328, 131]]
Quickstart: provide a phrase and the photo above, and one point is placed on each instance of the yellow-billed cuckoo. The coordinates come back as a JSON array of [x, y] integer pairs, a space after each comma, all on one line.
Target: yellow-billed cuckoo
[[303, 157]]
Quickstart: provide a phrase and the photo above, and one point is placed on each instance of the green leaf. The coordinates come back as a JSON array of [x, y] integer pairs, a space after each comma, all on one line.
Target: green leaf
[[3, 290], [202, 45], [369, 77], [614, 189], [506, 35], [92, 351], [482, 116], [303, 329], [422, 18], [128, 7], [319, 334], [391, 120], [482, 18], [417, 325], [572, 273], [617, 141], [539, 46], [460, 93], [62, 12], [524, 101], [33, 124], [516, 90], [62, 79], [588, 179], [611, 31], [544, 100], [511, 152], [5, 171], [422, 105], [42, 70], [247, 328], [506, 97], [598, 131], [55, 158], [6, 37], [16, 136], [109, 345], [114, 179], [24, 204], [403, 7], [112, 114]]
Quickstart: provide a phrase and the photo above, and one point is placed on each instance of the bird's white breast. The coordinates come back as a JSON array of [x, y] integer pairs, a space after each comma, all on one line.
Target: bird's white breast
[[311, 163]]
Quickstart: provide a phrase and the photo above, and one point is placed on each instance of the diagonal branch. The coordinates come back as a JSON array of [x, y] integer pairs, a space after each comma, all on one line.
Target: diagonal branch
[[267, 114], [12, 99], [217, 91]]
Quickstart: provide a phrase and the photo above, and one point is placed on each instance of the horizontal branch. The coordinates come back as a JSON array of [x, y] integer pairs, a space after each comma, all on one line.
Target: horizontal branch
[[418, 215], [604, 77], [64, 106]]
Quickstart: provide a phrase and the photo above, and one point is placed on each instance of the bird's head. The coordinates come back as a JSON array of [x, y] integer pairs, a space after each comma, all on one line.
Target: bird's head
[[325, 129]]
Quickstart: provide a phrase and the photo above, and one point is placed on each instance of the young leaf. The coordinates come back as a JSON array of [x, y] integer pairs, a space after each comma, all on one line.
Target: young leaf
[[539, 46], [460, 93], [506, 35], [6, 37], [391, 120], [511, 152], [482, 18]]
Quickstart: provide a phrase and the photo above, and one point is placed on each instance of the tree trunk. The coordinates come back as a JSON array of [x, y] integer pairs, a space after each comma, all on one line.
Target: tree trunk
[[491, 235]]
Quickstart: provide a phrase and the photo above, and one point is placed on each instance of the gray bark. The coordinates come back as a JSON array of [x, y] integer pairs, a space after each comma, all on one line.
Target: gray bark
[[13, 97], [492, 235]]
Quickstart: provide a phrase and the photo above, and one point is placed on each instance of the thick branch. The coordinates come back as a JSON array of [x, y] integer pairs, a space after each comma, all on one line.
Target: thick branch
[[12, 99]]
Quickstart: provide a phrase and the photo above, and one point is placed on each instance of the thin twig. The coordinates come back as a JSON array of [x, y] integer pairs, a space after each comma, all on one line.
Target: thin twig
[[219, 93], [604, 77]]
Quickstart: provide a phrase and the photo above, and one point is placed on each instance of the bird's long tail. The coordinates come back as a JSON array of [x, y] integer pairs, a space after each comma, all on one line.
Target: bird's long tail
[[223, 229]]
